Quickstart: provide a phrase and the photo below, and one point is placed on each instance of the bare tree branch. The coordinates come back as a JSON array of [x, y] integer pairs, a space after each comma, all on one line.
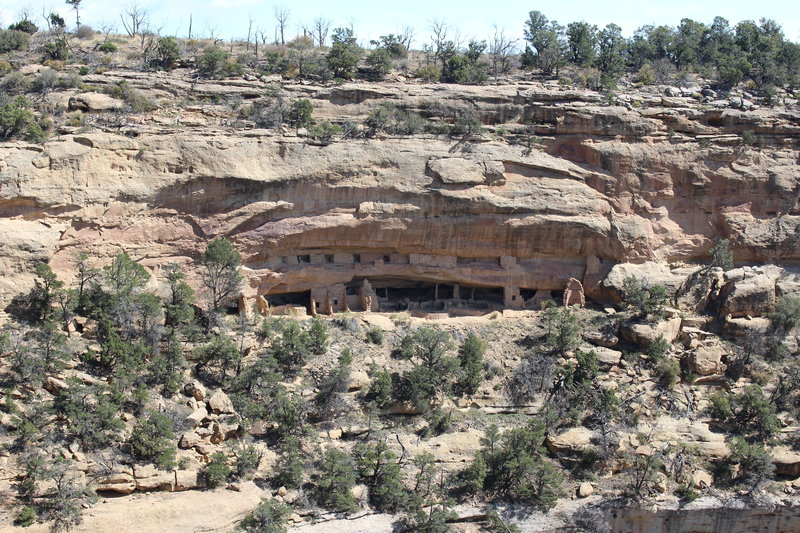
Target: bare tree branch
[[281, 16]]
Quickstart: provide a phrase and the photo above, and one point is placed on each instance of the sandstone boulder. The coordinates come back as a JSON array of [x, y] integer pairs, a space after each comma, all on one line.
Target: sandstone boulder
[[55, 385], [94, 102], [149, 478], [190, 439], [195, 389], [606, 339], [187, 480], [644, 335], [119, 482], [196, 417], [702, 479], [455, 170], [220, 403], [358, 380], [649, 274], [747, 292], [786, 461], [573, 441], [707, 359], [698, 290], [605, 356], [585, 490]]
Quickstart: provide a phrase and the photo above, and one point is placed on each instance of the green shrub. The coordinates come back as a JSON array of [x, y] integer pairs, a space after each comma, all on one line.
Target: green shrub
[[107, 47], [515, 466], [428, 349], [749, 413], [748, 138], [216, 63], [26, 517], [57, 50], [167, 53], [380, 389], [344, 53], [324, 132], [667, 372], [335, 481], [393, 120], [646, 75], [470, 355], [318, 336], [686, 493], [645, 300], [379, 469], [152, 439], [754, 462], [216, 471], [18, 121], [721, 256], [379, 63], [290, 466], [375, 335], [11, 40], [25, 26], [300, 113], [136, 100], [429, 73], [84, 32], [247, 458], [269, 517], [786, 316]]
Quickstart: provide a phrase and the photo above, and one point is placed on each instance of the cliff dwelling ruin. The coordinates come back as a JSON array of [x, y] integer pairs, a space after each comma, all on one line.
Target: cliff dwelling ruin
[[328, 282]]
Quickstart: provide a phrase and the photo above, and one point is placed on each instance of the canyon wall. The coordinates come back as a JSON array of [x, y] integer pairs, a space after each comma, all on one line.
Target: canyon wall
[[655, 179]]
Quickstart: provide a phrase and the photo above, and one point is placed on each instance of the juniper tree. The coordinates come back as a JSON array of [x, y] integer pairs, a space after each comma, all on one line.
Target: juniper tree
[[220, 273]]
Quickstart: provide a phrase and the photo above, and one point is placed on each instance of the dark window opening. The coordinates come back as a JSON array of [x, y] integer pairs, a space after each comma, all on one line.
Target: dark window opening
[[335, 301], [387, 259], [329, 258], [356, 258], [298, 299], [304, 258], [527, 294]]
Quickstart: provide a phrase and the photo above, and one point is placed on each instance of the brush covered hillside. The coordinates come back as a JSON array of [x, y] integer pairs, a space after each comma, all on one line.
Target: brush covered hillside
[[270, 288]]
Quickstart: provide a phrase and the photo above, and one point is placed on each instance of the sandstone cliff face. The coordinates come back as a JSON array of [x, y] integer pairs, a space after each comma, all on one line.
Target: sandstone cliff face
[[608, 185]]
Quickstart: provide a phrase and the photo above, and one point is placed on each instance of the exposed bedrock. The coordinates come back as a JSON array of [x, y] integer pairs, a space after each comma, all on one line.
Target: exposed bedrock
[[607, 185]]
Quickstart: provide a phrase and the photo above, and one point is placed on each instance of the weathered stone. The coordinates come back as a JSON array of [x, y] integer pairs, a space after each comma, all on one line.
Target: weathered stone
[[702, 479], [187, 480], [197, 416], [645, 334], [54, 385], [119, 482], [605, 356], [220, 403], [585, 490], [786, 461], [149, 478], [189, 439], [707, 359], [573, 441], [573, 294], [358, 380], [196, 390], [94, 102], [649, 274], [747, 293]]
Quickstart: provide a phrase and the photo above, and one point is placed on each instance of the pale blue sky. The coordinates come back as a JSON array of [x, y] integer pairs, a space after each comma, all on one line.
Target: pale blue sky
[[371, 18]]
